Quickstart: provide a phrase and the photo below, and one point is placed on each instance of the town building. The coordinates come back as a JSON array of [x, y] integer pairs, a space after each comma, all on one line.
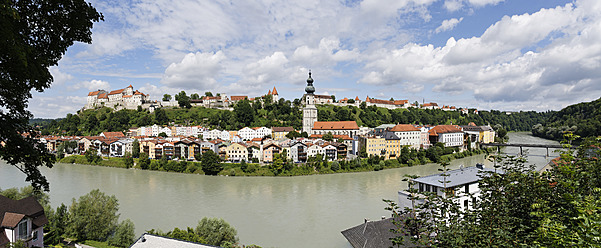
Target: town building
[[125, 98], [449, 135], [309, 111], [279, 133], [408, 135], [462, 184], [22, 220]]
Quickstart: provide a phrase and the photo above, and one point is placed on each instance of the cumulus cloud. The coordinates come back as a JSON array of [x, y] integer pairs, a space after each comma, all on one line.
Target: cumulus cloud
[[454, 5], [493, 67], [448, 25], [60, 77], [91, 85], [195, 71]]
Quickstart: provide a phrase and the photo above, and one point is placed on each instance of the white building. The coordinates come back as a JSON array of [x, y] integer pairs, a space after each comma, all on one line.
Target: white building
[[460, 184], [450, 135], [121, 98], [309, 111], [22, 220], [408, 135]]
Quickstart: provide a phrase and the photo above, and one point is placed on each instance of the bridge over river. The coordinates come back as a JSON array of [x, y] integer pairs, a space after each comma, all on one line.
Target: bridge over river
[[521, 146]]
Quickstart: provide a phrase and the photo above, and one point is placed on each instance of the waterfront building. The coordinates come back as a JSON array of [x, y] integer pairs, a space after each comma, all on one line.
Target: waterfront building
[[309, 111], [461, 183], [374, 146], [449, 135], [393, 145], [408, 135]]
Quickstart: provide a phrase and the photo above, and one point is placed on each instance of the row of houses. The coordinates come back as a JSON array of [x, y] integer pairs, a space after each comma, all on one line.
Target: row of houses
[[388, 140], [244, 134]]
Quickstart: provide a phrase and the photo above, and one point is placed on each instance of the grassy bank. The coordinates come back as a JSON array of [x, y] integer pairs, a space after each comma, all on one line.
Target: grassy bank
[[277, 169]]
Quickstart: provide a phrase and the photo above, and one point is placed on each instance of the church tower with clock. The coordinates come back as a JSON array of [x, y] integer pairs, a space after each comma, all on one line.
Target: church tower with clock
[[309, 111]]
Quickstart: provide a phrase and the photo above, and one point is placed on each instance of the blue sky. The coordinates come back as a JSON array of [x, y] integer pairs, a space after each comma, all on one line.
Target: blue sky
[[487, 54]]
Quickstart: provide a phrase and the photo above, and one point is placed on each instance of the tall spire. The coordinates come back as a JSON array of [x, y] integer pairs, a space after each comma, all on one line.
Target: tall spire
[[310, 89]]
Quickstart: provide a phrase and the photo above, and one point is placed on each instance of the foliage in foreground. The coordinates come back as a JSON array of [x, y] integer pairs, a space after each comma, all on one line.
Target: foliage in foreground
[[211, 231], [519, 208]]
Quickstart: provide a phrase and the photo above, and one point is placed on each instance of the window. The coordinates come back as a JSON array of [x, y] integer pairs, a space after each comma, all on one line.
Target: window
[[35, 235], [465, 203], [421, 187], [23, 230], [467, 188]]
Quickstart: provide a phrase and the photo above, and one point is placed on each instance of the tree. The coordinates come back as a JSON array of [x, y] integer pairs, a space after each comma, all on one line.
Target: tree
[[211, 163], [35, 35], [92, 156], [160, 117], [163, 134], [328, 136], [124, 234], [195, 96], [128, 160], [245, 114], [94, 216], [216, 231], [183, 100], [350, 101], [166, 97], [144, 161], [57, 224], [209, 94], [135, 150], [333, 98]]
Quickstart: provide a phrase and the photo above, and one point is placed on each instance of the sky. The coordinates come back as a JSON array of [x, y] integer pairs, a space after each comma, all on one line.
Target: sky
[[509, 55]]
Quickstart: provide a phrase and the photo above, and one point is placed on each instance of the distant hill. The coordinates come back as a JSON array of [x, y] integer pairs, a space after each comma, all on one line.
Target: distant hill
[[583, 119]]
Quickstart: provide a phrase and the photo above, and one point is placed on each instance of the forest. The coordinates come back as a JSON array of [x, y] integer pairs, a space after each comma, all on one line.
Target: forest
[[582, 119], [280, 113]]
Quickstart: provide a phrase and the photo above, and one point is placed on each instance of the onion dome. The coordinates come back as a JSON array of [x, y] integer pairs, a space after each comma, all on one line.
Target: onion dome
[[310, 89]]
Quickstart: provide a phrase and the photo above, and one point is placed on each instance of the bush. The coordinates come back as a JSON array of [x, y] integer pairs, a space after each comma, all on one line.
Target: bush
[[335, 166]]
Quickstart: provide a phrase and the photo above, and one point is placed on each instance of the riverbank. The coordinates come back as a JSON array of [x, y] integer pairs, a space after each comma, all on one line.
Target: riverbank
[[285, 168]]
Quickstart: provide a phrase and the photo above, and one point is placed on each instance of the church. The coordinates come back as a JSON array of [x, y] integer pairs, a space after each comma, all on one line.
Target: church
[[312, 126]]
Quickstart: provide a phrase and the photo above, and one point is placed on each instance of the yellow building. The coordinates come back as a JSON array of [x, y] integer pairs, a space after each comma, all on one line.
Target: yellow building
[[279, 133], [393, 145], [373, 145], [236, 152], [148, 147], [488, 135]]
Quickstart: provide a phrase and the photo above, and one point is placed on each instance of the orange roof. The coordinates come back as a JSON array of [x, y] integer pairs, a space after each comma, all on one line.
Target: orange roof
[[430, 104], [319, 136], [138, 93], [323, 96], [404, 128], [401, 102], [274, 91], [345, 99], [93, 93], [103, 95], [238, 98], [256, 139], [357, 98], [335, 125], [113, 134], [444, 129], [129, 86], [373, 100], [116, 92], [127, 96], [269, 93]]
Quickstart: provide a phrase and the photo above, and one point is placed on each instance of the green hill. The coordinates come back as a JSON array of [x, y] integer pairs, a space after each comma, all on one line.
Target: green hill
[[583, 119]]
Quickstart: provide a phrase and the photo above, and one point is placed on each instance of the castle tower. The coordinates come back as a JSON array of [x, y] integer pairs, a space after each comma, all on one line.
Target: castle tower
[[309, 111]]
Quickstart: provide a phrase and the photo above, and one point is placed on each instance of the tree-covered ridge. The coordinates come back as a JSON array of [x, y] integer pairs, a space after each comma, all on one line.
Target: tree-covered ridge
[[583, 119], [277, 114], [373, 116]]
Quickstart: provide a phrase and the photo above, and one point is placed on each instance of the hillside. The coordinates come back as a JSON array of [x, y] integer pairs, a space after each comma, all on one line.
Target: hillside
[[584, 119], [281, 113]]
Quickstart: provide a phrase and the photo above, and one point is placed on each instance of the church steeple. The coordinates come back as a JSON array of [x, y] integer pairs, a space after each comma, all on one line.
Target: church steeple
[[310, 89]]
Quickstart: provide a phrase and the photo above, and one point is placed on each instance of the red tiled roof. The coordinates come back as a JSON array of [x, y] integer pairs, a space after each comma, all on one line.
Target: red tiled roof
[[404, 128], [93, 93], [113, 134], [444, 129], [401, 102], [430, 104], [139, 93], [335, 125], [323, 96], [127, 96], [116, 92], [103, 95], [238, 98], [319, 136], [274, 91], [379, 101], [357, 98]]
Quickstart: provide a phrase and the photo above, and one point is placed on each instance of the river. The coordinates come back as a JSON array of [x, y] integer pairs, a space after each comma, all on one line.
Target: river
[[305, 211]]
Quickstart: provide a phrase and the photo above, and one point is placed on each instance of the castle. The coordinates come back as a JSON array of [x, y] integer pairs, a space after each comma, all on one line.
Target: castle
[[125, 98]]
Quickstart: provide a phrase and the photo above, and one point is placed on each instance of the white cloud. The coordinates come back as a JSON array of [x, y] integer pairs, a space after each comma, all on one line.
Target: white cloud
[[60, 77], [448, 25], [91, 85], [453, 5], [195, 71], [492, 67]]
